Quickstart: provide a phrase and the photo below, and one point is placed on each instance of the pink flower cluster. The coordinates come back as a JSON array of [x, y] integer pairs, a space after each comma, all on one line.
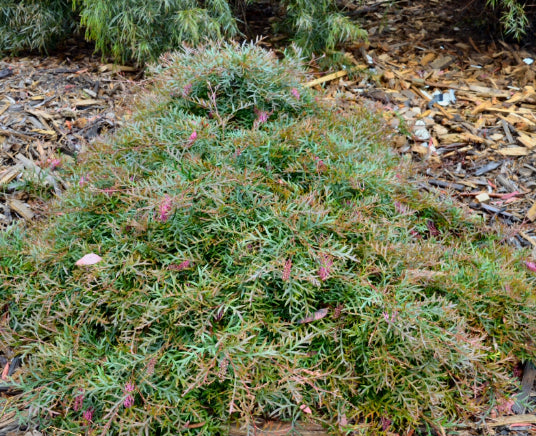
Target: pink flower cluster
[[326, 262], [386, 423], [128, 402], [320, 165], [165, 208], [390, 318], [181, 266], [79, 401], [262, 117], [88, 415], [287, 270], [54, 163], [192, 138]]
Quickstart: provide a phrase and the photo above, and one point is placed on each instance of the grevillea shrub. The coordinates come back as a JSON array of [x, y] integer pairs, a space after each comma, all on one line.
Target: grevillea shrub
[[262, 254]]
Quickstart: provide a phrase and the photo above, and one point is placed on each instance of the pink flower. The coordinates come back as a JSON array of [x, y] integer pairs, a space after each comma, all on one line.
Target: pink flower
[[386, 423], [325, 267], [88, 415], [54, 163], [165, 208], [129, 387], [83, 180], [295, 93], [192, 138], [320, 165], [530, 265], [262, 117], [287, 270], [390, 318], [323, 272], [78, 401], [181, 266], [128, 402]]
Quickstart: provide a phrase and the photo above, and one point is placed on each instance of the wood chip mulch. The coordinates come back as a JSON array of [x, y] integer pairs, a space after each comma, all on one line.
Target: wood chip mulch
[[464, 108], [50, 108]]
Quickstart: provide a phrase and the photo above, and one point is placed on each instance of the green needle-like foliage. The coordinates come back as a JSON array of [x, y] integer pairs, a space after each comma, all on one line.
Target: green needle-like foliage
[[514, 19], [34, 24], [141, 30], [262, 254], [318, 25]]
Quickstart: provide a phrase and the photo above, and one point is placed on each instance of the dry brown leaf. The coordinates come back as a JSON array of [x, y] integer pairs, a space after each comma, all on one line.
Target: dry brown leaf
[[21, 208]]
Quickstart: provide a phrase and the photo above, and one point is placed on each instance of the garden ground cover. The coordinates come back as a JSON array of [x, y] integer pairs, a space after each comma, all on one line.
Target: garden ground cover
[[261, 255]]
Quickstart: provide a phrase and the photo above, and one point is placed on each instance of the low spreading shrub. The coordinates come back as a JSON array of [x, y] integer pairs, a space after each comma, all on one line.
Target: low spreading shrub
[[262, 255]]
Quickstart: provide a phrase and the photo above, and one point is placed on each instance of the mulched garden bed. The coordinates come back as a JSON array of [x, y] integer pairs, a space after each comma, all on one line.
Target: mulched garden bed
[[463, 106], [50, 108], [478, 147]]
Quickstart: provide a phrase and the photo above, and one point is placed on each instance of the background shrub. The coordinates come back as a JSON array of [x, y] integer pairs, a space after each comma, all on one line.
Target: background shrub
[[141, 30], [262, 254], [137, 30], [512, 17], [34, 24]]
